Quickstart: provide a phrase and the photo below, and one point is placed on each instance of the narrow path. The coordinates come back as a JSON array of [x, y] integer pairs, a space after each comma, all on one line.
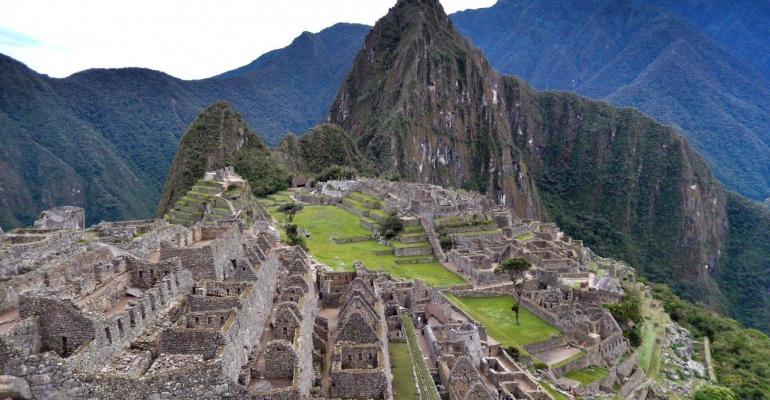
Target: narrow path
[[332, 316]]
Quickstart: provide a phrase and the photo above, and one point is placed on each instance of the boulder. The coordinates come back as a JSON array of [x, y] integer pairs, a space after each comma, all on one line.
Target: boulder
[[14, 387], [66, 217]]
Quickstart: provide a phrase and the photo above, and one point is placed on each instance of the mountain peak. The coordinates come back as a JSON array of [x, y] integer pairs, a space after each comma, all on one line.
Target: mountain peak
[[211, 140], [424, 104], [416, 91]]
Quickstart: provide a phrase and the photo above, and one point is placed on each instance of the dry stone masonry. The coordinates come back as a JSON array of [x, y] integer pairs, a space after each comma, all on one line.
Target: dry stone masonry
[[207, 303]]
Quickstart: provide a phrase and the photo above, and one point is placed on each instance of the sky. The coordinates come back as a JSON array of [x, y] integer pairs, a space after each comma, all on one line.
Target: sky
[[189, 39]]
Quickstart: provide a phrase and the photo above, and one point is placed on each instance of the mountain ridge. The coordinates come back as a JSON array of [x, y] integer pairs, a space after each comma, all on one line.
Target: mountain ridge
[[639, 55], [133, 119]]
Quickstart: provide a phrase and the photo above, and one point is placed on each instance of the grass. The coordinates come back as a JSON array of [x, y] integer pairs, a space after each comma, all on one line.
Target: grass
[[402, 245], [404, 386], [413, 229], [325, 222], [525, 236], [587, 375], [496, 315], [425, 386], [652, 337], [557, 395]]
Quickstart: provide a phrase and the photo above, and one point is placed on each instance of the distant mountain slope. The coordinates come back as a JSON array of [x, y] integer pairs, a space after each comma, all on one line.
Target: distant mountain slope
[[644, 57], [740, 26], [104, 138]]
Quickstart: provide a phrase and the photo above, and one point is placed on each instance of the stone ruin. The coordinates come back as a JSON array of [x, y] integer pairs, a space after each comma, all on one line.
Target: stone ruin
[[567, 285], [66, 217], [216, 307]]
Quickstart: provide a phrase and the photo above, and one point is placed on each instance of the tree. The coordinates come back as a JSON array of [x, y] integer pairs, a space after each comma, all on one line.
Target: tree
[[391, 227], [289, 210], [516, 268], [714, 393]]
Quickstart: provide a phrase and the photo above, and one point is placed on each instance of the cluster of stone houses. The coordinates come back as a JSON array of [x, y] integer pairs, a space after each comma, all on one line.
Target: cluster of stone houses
[[221, 309]]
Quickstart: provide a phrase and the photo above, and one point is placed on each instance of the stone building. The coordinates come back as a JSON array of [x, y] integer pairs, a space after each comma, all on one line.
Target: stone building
[[360, 363]]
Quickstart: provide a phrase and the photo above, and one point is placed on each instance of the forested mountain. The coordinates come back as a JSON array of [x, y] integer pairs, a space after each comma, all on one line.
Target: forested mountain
[[104, 138], [642, 56], [741, 26], [422, 103]]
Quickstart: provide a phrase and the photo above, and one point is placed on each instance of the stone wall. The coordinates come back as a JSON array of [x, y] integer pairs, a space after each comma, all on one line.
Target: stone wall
[[24, 336], [182, 340], [115, 332], [20, 254], [412, 251], [359, 384], [546, 345], [280, 359], [63, 327], [250, 321]]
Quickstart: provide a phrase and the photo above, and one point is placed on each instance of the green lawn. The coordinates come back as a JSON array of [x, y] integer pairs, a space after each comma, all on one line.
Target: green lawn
[[404, 386], [587, 375], [325, 222], [496, 315]]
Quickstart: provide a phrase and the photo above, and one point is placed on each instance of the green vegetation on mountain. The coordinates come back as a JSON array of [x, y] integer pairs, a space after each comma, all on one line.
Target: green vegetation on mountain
[[217, 138], [631, 53], [740, 354], [104, 139], [628, 314], [743, 271], [321, 147], [742, 26], [421, 102]]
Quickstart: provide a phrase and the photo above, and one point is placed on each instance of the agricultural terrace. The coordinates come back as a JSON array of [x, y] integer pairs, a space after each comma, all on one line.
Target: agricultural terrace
[[328, 226]]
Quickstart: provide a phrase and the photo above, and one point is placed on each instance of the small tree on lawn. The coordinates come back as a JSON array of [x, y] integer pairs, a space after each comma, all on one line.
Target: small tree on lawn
[[289, 210], [391, 227], [516, 268]]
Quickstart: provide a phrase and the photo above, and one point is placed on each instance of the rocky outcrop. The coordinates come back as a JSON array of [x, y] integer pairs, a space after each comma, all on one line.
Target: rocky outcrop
[[424, 104], [14, 387]]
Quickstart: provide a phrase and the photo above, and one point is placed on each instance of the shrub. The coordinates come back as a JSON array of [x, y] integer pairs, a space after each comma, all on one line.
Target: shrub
[[628, 313], [445, 242], [335, 172], [714, 393], [391, 227]]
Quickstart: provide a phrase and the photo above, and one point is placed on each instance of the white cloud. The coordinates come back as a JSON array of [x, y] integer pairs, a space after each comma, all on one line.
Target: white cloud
[[190, 39]]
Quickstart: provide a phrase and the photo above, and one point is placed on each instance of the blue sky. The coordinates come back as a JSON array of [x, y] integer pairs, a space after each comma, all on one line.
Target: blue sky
[[189, 39]]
